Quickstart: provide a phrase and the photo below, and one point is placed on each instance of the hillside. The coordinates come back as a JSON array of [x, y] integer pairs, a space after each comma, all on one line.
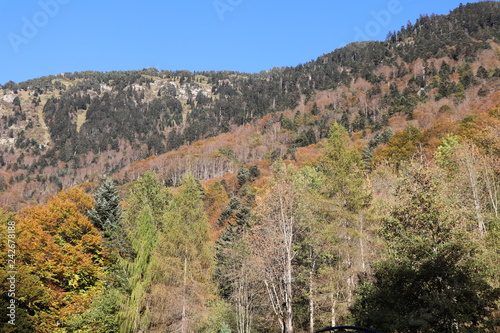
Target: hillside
[[61, 130], [359, 188]]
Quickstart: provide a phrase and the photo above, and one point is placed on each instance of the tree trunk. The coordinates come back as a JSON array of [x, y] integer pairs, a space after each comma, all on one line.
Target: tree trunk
[[184, 298], [473, 181], [311, 299], [334, 303]]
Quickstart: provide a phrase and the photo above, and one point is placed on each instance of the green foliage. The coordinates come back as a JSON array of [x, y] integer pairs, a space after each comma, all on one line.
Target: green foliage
[[287, 123], [243, 176], [107, 211], [3, 184], [254, 172], [338, 232], [147, 201], [306, 138], [184, 262], [466, 75], [225, 329], [101, 317], [482, 73], [432, 280], [219, 318], [445, 152], [342, 165], [381, 138], [315, 110], [231, 238], [367, 157]]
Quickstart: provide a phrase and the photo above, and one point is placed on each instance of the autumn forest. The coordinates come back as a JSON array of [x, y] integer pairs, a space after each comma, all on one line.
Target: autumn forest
[[361, 188]]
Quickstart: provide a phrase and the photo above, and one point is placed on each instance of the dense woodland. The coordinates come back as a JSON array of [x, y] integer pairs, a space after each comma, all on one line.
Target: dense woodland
[[360, 188]]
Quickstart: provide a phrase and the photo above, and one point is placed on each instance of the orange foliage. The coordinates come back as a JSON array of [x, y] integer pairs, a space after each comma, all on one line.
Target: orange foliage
[[483, 129], [398, 123], [61, 253], [308, 155], [215, 199], [402, 147]]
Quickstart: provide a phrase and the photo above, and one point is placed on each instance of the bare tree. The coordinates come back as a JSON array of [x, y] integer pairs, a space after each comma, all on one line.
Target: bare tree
[[281, 217]]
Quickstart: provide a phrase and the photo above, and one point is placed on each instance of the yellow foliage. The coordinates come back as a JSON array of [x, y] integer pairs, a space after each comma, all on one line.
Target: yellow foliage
[[60, 252]]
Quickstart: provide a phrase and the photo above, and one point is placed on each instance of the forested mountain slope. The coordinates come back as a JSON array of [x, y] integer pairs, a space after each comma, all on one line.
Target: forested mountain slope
[[61, 130], [360, 188]]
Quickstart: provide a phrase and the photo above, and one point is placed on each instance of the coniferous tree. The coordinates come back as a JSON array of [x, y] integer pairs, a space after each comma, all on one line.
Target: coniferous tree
[[340, 237], [182, 279], [107, 210], [107, 215], [239, 283], [146, 206], [431, 280]]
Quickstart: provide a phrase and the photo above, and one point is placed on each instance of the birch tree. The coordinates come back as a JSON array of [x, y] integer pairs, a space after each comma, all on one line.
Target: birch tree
[[281, 218]]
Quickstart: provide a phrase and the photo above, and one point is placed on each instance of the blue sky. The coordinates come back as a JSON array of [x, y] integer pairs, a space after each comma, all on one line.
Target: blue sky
[[42, 37]]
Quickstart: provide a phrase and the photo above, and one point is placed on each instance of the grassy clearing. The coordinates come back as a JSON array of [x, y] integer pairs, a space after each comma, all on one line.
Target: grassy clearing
[[81, 117]]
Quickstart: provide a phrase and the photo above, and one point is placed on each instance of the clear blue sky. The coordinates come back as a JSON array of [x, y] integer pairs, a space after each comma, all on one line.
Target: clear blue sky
[[42, 37]]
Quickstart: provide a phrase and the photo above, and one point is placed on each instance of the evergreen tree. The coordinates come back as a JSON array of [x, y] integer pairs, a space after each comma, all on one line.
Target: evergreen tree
[[482, 73], [431, 280], [107, 215], [107, 211], [238, 282], [367, 157]]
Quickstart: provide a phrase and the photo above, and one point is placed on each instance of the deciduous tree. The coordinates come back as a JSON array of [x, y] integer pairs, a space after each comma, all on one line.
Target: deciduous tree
[[431, 280]]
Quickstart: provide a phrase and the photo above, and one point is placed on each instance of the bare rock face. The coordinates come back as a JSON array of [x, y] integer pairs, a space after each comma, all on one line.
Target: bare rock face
[[8, 98]]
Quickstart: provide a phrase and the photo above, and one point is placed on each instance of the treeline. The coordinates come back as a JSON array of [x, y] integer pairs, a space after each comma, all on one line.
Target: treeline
[[411, 245]]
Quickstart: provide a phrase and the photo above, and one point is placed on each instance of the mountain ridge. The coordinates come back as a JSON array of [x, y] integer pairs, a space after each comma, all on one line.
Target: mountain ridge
[[92, 123]]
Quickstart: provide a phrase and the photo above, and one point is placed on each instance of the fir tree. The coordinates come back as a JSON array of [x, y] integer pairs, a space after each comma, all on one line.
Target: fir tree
[[107, 215], [107, 211]]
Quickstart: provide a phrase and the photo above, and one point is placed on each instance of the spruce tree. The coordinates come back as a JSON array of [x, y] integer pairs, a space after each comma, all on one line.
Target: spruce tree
[[107, 216], [107, 211]]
